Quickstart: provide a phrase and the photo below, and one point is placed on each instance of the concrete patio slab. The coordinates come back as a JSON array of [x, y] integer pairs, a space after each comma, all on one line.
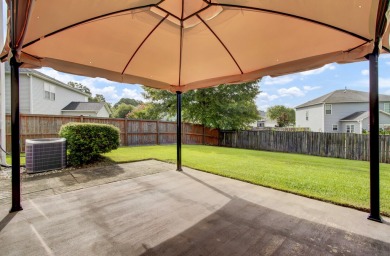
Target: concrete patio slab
[[164, 212]]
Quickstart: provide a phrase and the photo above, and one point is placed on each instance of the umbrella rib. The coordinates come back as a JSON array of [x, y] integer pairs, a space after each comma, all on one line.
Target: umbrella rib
[[293, 16], [146, 38], [181, 40], [85, 21], [171, 14], [224, 46]]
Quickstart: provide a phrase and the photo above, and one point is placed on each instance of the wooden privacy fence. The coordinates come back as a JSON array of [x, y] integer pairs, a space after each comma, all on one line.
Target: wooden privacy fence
[[132, 132], [339, 145]]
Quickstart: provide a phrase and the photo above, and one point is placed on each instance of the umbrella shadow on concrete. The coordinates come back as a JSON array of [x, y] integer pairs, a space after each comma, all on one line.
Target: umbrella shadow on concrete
[[244, 228]]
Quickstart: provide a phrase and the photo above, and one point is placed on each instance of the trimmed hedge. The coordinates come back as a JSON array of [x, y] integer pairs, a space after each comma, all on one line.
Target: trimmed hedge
[[86, 141]]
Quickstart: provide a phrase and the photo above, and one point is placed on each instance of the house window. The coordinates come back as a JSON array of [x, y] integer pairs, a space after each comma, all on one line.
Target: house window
[[386, 107], [334, 127], [328, 109], [49, 91], [307, 115], [350, 128]]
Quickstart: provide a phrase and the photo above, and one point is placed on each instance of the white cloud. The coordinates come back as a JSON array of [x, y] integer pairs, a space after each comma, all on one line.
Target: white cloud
[[318, 70], [267, 97], [264, 107], [384, 82], [65, 78], [278, 80], [310, 88], [365, 72], [292, 91], [264, 99], [132, 94]]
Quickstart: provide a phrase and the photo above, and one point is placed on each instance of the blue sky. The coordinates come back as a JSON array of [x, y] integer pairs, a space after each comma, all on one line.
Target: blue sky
[[295, 89], [290, 90]]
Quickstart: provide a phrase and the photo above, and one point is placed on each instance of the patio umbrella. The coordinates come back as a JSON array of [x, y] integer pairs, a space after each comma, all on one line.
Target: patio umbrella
[[181, 45]]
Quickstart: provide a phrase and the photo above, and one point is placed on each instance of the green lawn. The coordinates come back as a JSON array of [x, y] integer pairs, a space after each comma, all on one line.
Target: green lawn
[[340, 181], [22, 159]]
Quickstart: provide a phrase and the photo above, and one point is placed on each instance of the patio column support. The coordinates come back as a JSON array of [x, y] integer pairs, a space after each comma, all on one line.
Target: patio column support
[[178, 131], [374, 137], [15, 134]]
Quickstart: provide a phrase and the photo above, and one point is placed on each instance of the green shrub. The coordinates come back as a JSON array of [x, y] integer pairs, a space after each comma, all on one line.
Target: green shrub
[[86, 141]]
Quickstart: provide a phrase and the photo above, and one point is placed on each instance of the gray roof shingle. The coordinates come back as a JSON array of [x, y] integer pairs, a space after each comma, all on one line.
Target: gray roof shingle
[[343, 96], [84, 106], [355, 116]]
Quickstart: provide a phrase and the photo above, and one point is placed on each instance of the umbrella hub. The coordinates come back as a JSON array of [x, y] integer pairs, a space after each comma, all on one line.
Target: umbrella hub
[[187, 13]]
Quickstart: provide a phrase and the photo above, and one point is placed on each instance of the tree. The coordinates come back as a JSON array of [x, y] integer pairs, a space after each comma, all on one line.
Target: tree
[[284, 116], [85, 89], [97, 98], [122, 110], [128, 101], [144, 111], [224, 107], [80, 87]]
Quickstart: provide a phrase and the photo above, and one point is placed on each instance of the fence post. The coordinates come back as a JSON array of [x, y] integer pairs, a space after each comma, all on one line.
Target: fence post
[[126, 142], [203, 136], [158, 132], [81, 119]]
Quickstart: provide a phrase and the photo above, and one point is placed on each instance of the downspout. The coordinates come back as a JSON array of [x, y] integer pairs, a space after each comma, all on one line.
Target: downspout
[[31, 93]]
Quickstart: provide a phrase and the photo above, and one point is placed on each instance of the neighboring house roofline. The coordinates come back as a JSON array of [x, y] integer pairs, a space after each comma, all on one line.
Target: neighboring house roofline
[[383, 112], [359, 116], [94, 107], [343, 96], [107, 108], [355, 117], [47, 78]]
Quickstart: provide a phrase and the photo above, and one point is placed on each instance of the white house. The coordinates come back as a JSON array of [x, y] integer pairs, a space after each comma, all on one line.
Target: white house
[[41, 94], [95, 109], [341, 111], [265, 121]]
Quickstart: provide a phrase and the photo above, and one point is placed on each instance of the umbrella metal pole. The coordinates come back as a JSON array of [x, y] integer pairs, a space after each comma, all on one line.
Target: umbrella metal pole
[[374, 137], [15, 134], [178, 131]]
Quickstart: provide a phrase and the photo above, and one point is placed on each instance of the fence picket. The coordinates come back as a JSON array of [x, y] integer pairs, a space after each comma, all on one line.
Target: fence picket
[[338, 145]]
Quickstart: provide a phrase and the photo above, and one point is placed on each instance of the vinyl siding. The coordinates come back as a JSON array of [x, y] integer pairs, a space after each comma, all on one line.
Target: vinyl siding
[[357, 128], [316, 118], [384, 120], [40, 105], [24, 94], [103, 113], [339, 111], [49, 107], [382, 105]]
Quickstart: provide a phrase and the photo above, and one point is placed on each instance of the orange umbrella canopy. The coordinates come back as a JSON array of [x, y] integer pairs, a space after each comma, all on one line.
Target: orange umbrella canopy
[[180, 45]]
